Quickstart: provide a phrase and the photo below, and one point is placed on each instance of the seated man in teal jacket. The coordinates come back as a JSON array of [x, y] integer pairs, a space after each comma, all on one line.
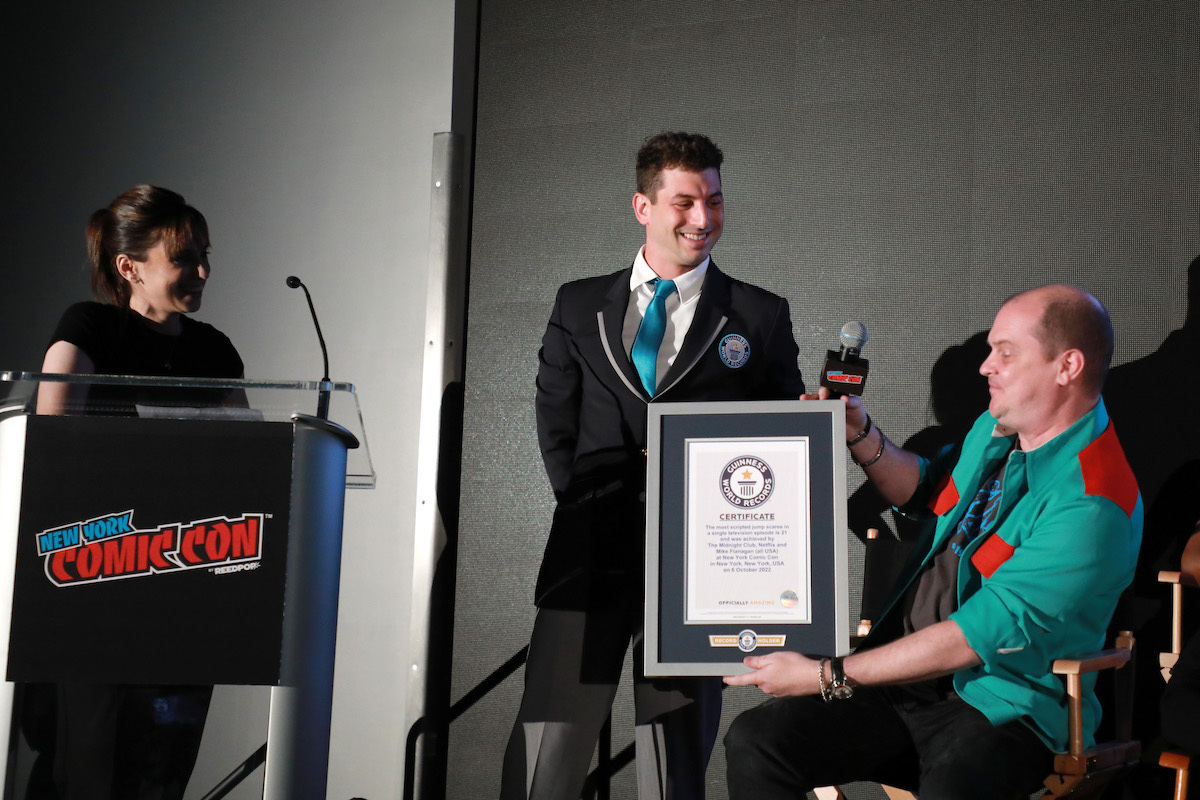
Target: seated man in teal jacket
[[1038, 523]]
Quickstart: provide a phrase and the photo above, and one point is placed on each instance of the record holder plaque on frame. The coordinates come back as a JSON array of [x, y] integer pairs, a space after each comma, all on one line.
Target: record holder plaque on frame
[[745, 533]]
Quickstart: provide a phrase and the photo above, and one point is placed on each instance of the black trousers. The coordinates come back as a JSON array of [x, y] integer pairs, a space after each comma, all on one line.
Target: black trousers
[[112, 742], [941, 748], [571, 676]]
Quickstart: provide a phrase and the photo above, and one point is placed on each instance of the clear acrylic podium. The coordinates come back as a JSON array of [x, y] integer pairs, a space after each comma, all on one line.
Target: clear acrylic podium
[[180, 531]]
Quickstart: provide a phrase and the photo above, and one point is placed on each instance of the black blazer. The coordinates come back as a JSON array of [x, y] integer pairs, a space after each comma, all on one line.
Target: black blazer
[[591, 416]]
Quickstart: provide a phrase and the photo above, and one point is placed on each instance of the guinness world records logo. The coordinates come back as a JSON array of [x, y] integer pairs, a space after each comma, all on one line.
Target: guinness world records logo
[[734, 350], [747, 482]]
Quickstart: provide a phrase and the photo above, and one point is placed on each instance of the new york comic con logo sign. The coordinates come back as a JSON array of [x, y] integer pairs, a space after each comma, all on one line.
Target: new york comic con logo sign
[[111, 548]]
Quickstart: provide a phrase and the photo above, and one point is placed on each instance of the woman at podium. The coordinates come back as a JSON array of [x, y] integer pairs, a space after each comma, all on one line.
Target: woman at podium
[[148, 252]]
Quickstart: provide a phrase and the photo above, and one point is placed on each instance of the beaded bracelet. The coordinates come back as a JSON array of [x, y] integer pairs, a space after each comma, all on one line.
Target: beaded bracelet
[[825, 693]]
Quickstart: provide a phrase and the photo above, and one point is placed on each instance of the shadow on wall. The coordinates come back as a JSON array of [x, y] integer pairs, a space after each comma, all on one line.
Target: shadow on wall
[[958, 395], [1150, 401]]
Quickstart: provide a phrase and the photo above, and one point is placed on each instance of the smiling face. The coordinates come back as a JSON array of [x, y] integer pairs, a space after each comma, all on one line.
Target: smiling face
[[1025, 385], [683, 220], [161, 285]]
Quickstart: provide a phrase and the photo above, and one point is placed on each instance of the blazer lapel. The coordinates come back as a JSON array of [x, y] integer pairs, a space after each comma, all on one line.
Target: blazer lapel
[[611, 321], [712, 312]]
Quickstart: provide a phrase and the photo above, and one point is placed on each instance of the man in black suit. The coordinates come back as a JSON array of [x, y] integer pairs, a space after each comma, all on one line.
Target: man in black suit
[[674, 328]]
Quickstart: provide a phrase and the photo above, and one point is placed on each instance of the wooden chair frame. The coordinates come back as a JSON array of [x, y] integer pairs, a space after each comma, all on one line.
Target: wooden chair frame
[[1080, 771], [1178, 581], [1175, 759]]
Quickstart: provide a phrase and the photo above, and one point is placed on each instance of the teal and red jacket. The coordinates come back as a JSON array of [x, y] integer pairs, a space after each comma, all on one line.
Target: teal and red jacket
[[1042, 584]]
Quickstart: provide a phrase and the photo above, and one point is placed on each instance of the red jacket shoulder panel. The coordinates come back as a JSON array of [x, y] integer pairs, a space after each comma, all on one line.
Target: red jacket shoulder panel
[[1106, 472]]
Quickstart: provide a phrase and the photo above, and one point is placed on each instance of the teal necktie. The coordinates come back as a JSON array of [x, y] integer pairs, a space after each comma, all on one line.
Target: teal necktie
[[650, 335]]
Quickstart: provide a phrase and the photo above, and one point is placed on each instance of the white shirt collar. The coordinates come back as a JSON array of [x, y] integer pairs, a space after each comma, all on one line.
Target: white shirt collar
[[688, 285]]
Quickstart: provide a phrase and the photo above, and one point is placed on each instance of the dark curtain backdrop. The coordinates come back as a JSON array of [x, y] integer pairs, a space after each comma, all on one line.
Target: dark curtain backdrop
[[907, 164]]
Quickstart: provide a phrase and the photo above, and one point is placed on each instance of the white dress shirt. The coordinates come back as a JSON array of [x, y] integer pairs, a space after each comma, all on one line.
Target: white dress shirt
[[680, 305]]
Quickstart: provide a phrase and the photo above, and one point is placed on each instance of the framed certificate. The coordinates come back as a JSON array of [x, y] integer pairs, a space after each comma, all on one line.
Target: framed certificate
[[745, 533]]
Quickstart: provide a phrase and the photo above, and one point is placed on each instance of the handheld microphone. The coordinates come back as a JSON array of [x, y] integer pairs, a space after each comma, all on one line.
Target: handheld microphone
[[845, 370], [323, 397]]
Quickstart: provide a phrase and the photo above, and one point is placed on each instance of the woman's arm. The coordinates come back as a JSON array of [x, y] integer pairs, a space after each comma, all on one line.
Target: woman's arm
[[59, 398]]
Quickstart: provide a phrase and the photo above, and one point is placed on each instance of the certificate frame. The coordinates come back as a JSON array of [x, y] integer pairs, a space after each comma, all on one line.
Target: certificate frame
[[685, 637]]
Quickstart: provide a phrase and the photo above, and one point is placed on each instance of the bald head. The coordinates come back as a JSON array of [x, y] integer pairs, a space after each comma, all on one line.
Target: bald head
[[1074, 319]]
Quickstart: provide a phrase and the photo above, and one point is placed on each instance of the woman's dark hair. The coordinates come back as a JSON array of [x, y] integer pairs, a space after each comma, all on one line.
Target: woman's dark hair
[[133, 224]]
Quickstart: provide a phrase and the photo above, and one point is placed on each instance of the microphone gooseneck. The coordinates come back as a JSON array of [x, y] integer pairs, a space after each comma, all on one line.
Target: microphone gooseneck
[[323, 398]]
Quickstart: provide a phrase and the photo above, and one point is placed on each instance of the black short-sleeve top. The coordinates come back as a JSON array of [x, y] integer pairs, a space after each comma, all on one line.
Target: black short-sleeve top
[[119, 342]]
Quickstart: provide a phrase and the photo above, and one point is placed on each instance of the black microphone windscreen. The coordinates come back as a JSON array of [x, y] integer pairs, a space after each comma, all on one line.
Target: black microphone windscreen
[[293, 282]]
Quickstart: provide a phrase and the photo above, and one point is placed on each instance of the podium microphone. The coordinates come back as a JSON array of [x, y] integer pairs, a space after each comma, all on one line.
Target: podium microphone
[[323, 397], [845, 370]]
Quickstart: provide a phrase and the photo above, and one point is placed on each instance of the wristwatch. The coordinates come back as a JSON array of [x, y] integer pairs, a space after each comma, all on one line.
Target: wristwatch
[[841, 688]]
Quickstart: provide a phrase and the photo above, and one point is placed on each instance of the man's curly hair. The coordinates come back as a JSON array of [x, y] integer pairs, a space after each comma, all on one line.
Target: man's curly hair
[[672, 149]]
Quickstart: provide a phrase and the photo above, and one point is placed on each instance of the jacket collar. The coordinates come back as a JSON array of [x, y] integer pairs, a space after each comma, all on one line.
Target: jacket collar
[[711, 314], [712, 311], [1044, 463], [612, 318]]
